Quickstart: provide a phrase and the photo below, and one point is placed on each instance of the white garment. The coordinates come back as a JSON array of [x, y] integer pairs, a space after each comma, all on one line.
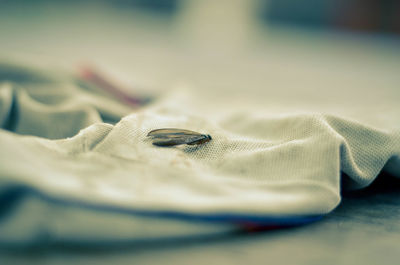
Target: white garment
[[110, 177]]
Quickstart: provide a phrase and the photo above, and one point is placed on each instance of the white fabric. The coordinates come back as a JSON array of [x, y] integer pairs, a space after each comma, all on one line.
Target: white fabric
[[258, 163]]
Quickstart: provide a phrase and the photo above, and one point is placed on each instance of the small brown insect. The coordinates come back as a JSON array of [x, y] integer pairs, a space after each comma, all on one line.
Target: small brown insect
[[173, 136]]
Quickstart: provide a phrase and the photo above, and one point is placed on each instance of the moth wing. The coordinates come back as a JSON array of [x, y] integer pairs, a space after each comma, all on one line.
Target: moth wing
[[168, 136], [171, 131], [170, 141]]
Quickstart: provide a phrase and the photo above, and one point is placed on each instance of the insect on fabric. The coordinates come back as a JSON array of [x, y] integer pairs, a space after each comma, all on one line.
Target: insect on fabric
[[173, 136]]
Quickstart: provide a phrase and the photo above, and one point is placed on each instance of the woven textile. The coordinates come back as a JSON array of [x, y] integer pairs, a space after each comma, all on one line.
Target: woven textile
[[75, 162]]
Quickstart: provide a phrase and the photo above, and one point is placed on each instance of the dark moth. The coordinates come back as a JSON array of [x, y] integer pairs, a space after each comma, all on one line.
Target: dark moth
[[173, 136]]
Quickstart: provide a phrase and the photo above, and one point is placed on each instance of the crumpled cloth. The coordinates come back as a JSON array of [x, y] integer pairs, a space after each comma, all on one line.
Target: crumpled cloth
[[76, 165]]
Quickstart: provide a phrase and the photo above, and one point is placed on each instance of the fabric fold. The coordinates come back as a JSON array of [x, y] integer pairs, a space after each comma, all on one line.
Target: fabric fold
[[268, 169]]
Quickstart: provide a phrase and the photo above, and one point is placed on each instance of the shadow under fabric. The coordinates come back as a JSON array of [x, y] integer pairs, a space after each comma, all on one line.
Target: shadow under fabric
[[76, 166]]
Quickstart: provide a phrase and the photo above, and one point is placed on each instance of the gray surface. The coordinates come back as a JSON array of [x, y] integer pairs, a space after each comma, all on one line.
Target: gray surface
[[364, 229]]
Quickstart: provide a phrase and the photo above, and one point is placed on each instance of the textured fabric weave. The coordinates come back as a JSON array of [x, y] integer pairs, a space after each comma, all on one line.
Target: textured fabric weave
[[74, 162]]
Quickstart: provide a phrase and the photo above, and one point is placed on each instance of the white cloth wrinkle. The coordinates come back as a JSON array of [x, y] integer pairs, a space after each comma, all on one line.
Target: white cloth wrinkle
[[261, 165]]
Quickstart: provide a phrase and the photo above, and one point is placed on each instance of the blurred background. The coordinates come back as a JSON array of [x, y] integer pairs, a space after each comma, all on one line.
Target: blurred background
[[301, 47]]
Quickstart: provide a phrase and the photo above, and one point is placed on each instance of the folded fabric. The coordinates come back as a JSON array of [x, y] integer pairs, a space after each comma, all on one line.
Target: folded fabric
[[77, 166]]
